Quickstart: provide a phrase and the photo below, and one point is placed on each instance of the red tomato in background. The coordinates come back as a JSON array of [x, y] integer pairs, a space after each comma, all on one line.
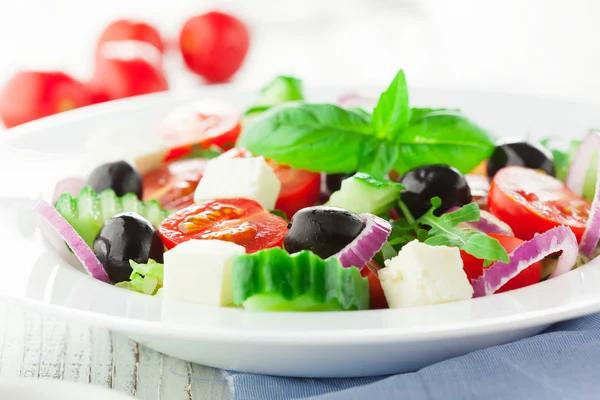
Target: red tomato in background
[[204, 123], [378, 300], [533, 202], [240, 221], [299, 188], [128, 68], [214, 45], [128, 29], [474, 266], [30, 95]]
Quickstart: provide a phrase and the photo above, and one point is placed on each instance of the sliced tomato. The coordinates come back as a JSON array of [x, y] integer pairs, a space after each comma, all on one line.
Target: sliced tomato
[[173, 184], [378, 300], [299, 188], [204, 123], [474, 266], [533, 202], [240, 221]]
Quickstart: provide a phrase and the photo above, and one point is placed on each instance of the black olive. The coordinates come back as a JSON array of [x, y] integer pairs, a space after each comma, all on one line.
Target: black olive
[[124, 237], [322, 230], [423, 183], [522, 154], [334, 181], [119, 176]]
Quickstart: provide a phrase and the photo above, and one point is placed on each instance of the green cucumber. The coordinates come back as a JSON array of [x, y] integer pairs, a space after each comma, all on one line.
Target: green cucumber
[[88, 211], [273, 280], [362, 193]]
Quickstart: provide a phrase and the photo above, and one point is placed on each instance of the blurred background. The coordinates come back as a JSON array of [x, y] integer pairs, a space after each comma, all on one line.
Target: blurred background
[[548, 48]]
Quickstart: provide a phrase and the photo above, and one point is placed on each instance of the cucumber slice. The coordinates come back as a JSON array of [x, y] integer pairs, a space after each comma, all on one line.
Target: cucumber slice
[[362, 193], [89, 210], [273, 280]]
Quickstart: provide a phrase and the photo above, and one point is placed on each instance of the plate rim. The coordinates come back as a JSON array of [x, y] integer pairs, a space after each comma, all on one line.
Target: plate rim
[[522, 320]]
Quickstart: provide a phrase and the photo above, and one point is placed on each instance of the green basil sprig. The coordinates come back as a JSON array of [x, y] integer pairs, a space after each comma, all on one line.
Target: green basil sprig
[[331, 139]]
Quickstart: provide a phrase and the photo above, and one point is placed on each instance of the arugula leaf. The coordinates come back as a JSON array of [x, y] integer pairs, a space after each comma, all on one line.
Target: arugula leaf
[[315, 137], [443, 138], [444, 232], [388, 252], [280, 90], [392, 113]]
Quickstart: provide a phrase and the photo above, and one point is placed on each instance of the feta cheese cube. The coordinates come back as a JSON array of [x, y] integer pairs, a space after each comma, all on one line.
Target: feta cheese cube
[[422, 274], [247, 178], [199, 271]]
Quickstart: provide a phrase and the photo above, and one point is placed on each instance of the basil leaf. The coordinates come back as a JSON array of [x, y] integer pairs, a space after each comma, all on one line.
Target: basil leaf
[[417, 114], [280, 90], [281, 214], [378, 158], [392, 113], [315, 137], [443, 138]]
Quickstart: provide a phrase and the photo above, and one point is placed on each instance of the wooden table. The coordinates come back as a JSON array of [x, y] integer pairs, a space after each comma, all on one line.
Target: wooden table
[[33, 345]]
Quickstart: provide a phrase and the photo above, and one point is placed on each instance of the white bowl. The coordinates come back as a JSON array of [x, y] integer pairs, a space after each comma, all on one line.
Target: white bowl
[[361, 343], [46, 389]]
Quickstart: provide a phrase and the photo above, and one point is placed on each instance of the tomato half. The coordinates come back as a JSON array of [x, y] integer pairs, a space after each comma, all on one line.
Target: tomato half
[[533, 202], [299, 188], [474, 266], [378, 300], [173, 184], [128, 29], [204, 123], [240, 221]]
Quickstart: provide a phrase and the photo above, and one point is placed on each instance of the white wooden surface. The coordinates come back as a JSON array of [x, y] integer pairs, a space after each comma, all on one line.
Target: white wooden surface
[[546, 47], [33, 345]]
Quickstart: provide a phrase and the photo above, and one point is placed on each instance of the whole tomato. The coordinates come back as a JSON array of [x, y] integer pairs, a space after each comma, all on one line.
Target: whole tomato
[[129, 29], [127, 68], [214, 45], [30, 95]]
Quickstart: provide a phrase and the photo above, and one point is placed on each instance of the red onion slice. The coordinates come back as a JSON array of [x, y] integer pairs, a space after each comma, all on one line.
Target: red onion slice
[[60, 226], [488, 223], [541, 246], [589, 146], [71, 185], [364, 247]]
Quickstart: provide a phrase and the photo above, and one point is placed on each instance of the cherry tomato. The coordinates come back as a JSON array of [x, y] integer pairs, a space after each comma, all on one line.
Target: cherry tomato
[[533, 202], [214, 45], [240, 221], [128, 68], [128, 29], [299, 188], [474, 266], [30, 95], [173, 184], [204, 123], [378, 300]]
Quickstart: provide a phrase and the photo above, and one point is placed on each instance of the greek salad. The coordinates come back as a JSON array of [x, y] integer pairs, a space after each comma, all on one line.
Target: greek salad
[[354, 205]]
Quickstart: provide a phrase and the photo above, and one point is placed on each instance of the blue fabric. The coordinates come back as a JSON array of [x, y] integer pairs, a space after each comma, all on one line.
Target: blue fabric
[[560, 363]]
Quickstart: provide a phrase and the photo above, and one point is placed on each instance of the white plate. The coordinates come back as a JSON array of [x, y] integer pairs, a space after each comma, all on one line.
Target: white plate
[[46, 389], [34, 156]]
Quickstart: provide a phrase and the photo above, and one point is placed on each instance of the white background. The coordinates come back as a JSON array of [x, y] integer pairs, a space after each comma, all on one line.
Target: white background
[[541, 47]]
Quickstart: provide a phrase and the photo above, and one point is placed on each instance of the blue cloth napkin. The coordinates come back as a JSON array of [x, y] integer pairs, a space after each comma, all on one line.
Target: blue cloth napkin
[[561, 363]]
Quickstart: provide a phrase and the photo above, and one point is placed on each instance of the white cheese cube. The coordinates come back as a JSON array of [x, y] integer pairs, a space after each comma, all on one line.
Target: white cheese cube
[[422, 274], [246, 178], [199, 271]]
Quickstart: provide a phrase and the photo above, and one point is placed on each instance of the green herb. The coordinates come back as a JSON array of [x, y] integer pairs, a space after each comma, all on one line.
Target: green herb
[[327, 138], [198, 151], [444, 232], [281, 214], [145, 278], [388, 252], [392, 113], [375, 182], [280, 90]]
